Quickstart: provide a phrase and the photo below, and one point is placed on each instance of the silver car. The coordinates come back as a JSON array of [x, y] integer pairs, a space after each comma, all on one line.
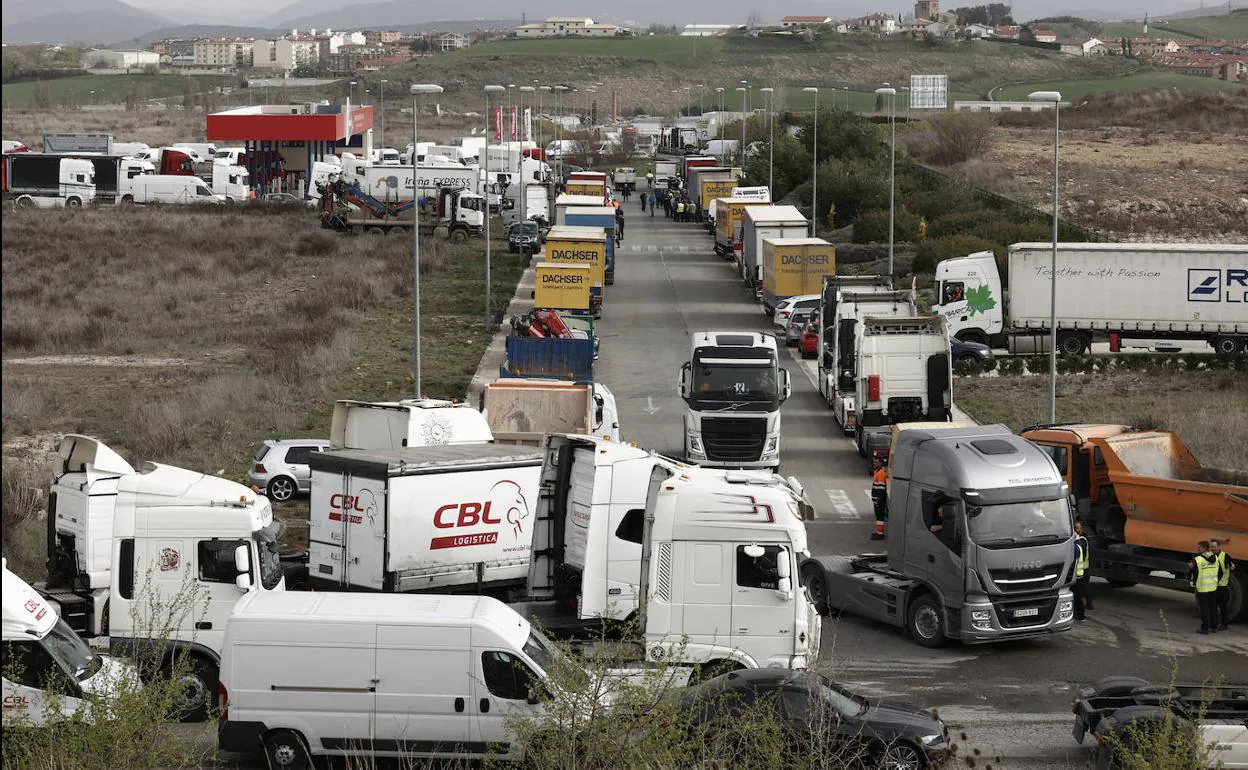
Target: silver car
[[795, 324], [280, 468]]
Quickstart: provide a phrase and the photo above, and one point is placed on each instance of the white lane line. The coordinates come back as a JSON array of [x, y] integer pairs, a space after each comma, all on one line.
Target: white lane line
[[842, 504]]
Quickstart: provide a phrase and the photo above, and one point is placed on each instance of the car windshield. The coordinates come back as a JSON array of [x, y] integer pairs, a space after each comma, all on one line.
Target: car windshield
[[270, 556], [68, 649], [1010, 524], [735, 382], [841, 699]]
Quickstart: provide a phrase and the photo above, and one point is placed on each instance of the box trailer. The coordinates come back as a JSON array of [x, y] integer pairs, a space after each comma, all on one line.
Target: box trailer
[[729, 221], [596, 216], [759, 222], [794, 266], [582, 246]]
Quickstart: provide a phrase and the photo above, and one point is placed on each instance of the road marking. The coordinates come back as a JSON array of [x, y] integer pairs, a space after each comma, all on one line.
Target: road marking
[[842, 504], [650, 408]]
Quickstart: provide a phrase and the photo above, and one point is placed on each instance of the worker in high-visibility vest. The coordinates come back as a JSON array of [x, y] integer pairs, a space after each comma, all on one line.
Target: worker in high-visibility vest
[[1226, 566], [879, 497], [1205, 581], [1082, 562]]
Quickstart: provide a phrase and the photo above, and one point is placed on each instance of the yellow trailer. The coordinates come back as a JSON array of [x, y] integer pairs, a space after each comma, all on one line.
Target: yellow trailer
[[561, 286], [728, 219], [581, 246], [793, 266]]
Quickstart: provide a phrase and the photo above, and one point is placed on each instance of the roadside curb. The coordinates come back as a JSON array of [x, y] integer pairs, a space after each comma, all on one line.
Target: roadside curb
[[496, 353]]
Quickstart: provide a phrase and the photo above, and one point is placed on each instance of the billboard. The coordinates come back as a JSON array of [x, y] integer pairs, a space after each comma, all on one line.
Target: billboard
[[101, 143], [560, 286], [929, 92]]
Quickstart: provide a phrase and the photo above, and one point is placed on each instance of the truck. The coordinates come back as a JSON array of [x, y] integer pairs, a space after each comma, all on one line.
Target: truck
[[904, 373], [582, 246], [154, 558], [853, 304], [549, 358], [707, 183], [703, 558], [523, 411], [536, 205], [733, 387], [230, 180], [678, 139], [793, 266], [444, 519], [691, 162], [36, 180], [564, 201], [624, 178], [593, 188], [980, 543], [1118, 711], [114, 175], [1153, 291], [729, 225], [596, 216], [663, 171], [348, 209], [169, 161], [409, 422], [829, 298], [1145, 502], [392, 184], [759, 222]]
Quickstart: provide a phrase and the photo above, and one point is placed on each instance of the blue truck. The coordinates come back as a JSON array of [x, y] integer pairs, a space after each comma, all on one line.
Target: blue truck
[[597, 216], [549, 358]]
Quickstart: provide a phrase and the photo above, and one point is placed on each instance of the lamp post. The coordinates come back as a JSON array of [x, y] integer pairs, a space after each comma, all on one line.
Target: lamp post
[[814, 163], [350, 91], [417, 89], [846, 90], [540, 90], [720, 90], [891, 93], [489, 317], [1054, 98], [382, 113], [742, 90], [523, 187], [559, 126], [701, 99], [771, 132]]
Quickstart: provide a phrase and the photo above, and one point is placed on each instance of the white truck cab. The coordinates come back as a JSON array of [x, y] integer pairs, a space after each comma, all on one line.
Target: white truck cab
[[959, 280], [851, 308], [411, 422], [49, 672]]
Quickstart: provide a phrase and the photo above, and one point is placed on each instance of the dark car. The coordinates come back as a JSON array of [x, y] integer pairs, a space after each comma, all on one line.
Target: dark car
[[961, 350], [524, 236], [822, 717]]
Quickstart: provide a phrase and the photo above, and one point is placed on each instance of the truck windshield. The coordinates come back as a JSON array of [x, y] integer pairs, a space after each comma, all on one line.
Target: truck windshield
[[1013, 524], [68, 649], [736, 383], [270, 558]]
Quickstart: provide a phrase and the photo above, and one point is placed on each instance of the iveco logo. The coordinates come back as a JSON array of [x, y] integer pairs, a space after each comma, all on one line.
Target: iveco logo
[[1203, 284], [1023, 566]]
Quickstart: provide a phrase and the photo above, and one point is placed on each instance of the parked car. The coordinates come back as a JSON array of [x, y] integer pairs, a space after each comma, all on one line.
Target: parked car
[[796, 325], [809, 343], [280, 467], [785, 307], [961, 350], [816, 710], [524, 236]]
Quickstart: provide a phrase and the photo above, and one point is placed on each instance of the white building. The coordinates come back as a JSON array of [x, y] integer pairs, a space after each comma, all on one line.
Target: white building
[[220, 52], [452, 41], [798, 22], [569, 26], [707, 30], [118, 60], [286, 54]]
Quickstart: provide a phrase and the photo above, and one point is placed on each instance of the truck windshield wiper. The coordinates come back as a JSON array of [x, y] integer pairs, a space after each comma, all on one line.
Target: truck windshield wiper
[[732, 406]]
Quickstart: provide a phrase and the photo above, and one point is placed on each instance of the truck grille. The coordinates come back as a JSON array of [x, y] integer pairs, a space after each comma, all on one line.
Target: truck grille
[[1007, 608], [1027, 580], [734, 439]]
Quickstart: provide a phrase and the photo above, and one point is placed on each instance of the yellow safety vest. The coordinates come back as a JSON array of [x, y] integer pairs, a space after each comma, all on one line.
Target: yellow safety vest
[[1225, 579], [1083, 561], [1206, 575]]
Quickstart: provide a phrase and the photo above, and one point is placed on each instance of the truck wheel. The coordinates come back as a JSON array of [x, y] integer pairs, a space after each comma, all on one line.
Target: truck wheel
[[1117, 686], [458, 236], [1070, 344], [817, 586], [127, 200], [286, 749], [1236, 607], [73, 203], [926, 622], [1227, 346], [376, 231], [199, 690], [712, 670]]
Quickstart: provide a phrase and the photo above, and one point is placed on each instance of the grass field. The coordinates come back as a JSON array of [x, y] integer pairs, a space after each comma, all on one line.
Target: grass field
[[108, 88], [1208, 409], [1225, 27], [793, 98], [656, 47], [1141, 81]]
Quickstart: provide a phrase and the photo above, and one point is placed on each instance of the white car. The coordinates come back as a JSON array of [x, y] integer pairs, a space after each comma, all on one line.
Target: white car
[[784, 309]]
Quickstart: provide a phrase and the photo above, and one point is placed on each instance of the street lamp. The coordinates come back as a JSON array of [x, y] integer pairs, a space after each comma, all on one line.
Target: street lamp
[[1054, 98], [891, 93], [350, 91], [488, 90], [771, 132], [701, 99], [742, 90], [540, 89], [520, 155], [814, 163], [416, 90], [719, 90], [846, 90], [382, 113]]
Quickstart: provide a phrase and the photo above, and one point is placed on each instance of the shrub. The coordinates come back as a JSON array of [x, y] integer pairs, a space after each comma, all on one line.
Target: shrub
[[1011, 367], [960, 136], [872, 226], [933, 250]]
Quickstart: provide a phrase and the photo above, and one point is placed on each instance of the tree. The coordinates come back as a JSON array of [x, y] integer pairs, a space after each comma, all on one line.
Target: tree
[[992, 14]]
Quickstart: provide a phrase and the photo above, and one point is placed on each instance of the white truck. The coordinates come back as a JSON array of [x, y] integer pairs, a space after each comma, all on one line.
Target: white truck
[[536, 204], [411, 422], [394, 183], [714, 553], [36, 180], [624, 178], [829, 297], [1129, 291], [446, 519], [523, 411], [49, 672], [229, 180], [904, 373], [851, 308], [155, 556], [733, 388], [759, 222]]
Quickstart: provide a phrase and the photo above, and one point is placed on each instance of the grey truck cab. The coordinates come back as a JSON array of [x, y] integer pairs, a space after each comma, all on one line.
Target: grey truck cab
[[980, 542]]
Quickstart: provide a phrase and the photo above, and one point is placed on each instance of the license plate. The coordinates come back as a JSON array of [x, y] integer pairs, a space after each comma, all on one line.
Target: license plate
[[1027, 612]]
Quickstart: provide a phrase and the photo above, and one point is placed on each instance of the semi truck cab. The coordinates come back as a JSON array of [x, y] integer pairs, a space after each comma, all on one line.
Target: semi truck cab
[[733, 387]]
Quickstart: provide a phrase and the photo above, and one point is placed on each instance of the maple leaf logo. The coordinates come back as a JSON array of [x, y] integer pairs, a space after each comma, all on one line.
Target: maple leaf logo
[[979, 300]]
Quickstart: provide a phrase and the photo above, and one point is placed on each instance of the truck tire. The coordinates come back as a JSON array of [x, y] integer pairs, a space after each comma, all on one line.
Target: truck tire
[[1227, 346], [926, 621], [1072, 343], [1116, 686], [1237, 607], [286, 750], [376, 231], [73, 203], [816, 584], [199, 682], [25, 202], [458, 236]]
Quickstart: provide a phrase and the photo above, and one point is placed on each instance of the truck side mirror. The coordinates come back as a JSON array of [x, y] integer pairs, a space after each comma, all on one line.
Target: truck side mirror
[[786, 387], [685, 369], [783, 568], [243, 581], [598, 408], [242, 560], [784, 587]]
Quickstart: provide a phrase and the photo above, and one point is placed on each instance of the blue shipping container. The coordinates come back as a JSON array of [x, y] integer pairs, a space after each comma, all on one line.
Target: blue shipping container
[[547, 358]]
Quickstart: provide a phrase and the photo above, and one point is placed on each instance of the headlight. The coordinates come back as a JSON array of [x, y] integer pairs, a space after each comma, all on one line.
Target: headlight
[[981, 616], [773, 443], [694, 443], [928, 740]]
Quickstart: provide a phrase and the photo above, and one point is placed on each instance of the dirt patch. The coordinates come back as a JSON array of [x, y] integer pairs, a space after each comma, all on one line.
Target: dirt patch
[[89, 360]]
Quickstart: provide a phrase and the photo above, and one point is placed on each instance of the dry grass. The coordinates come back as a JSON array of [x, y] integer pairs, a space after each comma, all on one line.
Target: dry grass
[[155, 127], [1208, 409], [188, 336], [1198, 112]]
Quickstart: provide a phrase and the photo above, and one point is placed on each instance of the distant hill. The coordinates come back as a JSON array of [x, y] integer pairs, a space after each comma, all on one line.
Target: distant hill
[[192, 30], [69, 21]]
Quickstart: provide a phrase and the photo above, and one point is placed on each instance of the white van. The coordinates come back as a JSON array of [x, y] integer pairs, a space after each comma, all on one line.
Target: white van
[[55, 675], [173, 188], [315, 674], [411, 422]]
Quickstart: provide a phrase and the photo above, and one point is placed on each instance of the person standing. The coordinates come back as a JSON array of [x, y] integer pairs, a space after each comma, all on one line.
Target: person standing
[[879, 497], [1082, 562], [651, 197], [619, 225], [1205, 580], [1226, 565]]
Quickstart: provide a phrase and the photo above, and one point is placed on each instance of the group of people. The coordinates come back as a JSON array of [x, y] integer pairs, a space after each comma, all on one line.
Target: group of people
[[677, 206]]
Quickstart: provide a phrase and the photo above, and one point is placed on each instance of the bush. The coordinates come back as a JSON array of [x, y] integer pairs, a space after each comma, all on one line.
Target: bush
[[1011, 367], [960, 136], [872, 226], [853, 186], [934, 250]]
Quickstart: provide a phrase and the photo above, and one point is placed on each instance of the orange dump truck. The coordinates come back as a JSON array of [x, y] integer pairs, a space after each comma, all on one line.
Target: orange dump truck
[[1146, 502]]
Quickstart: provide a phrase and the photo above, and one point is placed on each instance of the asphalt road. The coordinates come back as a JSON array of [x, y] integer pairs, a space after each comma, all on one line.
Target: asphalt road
[[1011, 700]]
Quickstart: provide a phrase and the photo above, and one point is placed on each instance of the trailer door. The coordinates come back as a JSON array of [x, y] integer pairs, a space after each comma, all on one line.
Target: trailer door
[[347, 528]]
